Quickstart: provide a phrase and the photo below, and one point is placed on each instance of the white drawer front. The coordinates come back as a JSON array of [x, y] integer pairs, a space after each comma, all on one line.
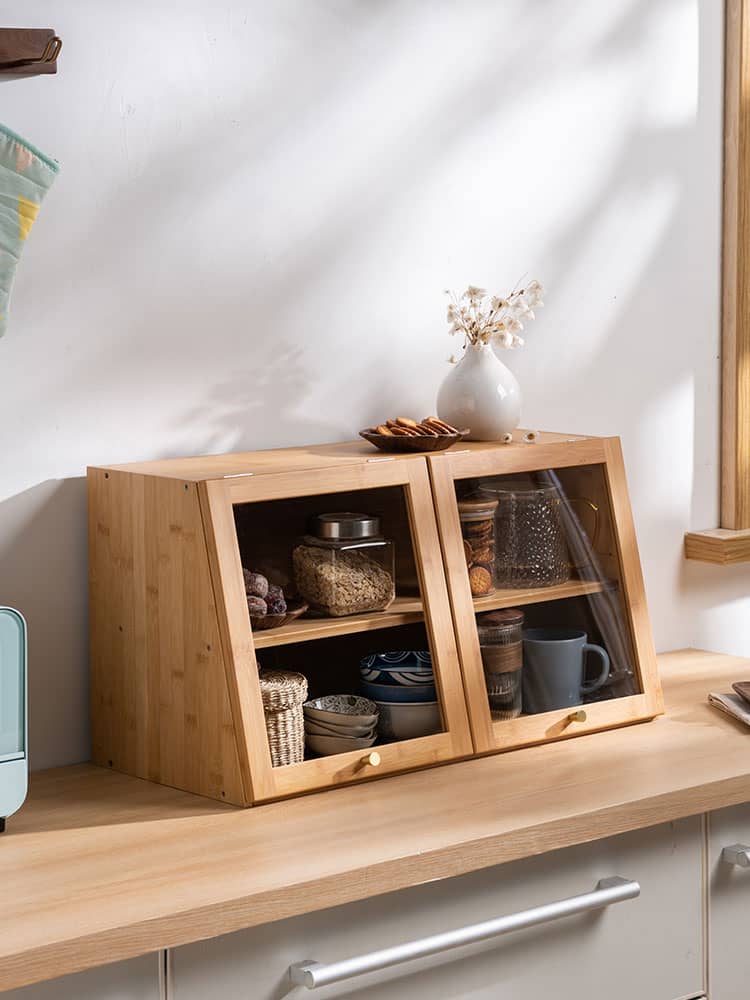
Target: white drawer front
[[650, 947], [137, 979], [729, 888]]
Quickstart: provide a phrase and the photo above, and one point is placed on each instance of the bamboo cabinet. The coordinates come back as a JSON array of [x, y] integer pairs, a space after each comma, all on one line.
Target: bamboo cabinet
[[174, 658]]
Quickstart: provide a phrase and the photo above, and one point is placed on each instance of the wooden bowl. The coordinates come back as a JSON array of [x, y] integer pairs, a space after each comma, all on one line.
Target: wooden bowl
[[421, 442], [293, 610]]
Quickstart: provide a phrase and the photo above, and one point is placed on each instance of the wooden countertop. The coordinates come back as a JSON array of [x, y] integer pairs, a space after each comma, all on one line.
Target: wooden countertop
[[98, 866]]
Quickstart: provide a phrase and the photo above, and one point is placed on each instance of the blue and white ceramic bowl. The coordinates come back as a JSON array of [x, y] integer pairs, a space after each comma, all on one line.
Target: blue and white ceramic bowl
[[399, 692], [407, 667]]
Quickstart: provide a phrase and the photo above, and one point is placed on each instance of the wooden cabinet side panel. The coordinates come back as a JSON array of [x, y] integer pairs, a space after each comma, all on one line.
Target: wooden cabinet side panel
[[632, 577], [159, 703]]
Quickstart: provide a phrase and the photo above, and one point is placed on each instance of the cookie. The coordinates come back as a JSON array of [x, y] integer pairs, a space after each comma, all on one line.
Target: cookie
[[477, 528], [440, 425], [468, 553], [483, 556], [480, 581]]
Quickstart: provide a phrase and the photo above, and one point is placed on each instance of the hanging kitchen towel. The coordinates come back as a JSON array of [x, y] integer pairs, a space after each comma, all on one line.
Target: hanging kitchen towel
[[26, 175]]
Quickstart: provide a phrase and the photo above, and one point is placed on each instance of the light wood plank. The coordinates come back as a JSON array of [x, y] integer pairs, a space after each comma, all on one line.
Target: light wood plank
[[308, 458], [98, 866], [631, 579], [160, 706], [735, 459], [407, 610], [721, 546], [403, 611], [510, 598]]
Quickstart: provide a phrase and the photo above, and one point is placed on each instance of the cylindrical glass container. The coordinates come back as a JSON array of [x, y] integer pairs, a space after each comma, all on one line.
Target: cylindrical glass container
[[531, 550], [345, 566], [501, 645], [477, 517]]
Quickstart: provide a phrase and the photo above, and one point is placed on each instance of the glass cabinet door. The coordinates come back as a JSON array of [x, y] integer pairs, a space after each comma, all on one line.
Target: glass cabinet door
[[546, 589], [337, 589]]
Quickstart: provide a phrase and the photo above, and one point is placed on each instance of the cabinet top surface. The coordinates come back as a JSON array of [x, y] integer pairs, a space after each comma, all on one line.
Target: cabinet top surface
[[98, 866], [259, 463]]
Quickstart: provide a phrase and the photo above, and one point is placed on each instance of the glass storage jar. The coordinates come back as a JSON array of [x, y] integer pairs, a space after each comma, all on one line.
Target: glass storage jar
[[344, 566], [477, 517], [501, 645]]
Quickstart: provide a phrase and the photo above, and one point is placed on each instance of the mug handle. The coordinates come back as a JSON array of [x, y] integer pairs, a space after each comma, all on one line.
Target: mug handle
[[589, 647]]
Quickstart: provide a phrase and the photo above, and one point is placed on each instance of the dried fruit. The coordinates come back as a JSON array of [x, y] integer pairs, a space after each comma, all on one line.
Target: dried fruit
[[275, 600], [256, 606], [256, 585], [480, 581]]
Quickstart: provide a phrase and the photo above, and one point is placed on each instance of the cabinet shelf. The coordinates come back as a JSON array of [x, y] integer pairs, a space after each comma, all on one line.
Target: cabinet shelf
[[408, 610], [511, 598], [403, 611]]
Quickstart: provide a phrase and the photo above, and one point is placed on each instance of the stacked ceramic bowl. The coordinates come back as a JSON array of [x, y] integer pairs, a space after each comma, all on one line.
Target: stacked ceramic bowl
[[402, 686], [337, 723]]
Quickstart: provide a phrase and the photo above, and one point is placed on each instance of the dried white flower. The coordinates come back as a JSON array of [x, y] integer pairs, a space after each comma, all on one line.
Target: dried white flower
[[482, 319]]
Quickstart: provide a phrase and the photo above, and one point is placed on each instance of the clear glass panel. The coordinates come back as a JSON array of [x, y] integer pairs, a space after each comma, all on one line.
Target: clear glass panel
[[12, 686], [349, 624], [544, 571]]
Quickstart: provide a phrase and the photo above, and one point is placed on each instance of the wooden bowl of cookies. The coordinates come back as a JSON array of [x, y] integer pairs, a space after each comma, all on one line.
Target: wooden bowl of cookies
[[404, 434]]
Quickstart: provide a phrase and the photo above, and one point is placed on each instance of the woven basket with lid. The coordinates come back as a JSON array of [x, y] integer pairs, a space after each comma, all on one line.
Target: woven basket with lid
[[283, 693]]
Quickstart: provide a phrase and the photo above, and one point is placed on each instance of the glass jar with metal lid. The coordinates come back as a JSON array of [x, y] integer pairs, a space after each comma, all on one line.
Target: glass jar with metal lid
[[344, 566]]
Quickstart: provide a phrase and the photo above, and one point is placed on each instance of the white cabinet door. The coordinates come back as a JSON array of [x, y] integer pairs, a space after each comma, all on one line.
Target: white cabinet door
[[729, 906], [650, 948], [136, 979]]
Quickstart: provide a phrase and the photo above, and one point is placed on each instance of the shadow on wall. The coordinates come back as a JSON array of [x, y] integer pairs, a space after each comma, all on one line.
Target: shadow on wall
[[43, 573]]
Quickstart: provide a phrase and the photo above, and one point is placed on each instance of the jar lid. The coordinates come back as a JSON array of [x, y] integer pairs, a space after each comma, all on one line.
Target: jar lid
[[474, 508], [501, 618], [345, 525]]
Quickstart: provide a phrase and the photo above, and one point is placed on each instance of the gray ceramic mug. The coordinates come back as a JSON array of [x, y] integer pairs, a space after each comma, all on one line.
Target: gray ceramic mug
[[554, 667]]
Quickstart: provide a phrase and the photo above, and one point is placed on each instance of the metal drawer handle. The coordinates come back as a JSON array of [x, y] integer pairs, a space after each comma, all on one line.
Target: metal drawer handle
[[315, 974], [737, 855]]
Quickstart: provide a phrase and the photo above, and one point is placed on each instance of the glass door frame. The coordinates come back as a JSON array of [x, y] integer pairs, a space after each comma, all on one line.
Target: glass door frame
[[550, 451], [218, 498]]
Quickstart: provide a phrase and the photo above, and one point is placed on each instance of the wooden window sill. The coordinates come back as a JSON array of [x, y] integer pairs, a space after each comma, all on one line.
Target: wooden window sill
[[722, 546]]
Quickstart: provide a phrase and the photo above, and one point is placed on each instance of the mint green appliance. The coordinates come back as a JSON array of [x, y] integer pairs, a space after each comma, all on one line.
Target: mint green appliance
[[13, 712]]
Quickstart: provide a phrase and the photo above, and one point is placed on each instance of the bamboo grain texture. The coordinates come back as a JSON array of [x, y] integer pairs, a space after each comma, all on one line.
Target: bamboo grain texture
[[99, 866]]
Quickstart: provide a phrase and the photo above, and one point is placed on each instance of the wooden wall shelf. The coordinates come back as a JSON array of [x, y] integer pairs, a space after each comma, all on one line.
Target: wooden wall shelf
[[28, 51], [175, 694]]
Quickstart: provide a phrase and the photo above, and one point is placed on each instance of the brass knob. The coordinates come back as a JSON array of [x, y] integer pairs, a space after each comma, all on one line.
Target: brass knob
[[373, 759], [579, 716]]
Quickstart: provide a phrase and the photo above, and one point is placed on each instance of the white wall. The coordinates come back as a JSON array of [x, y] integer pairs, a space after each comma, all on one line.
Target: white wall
[[259, 206]]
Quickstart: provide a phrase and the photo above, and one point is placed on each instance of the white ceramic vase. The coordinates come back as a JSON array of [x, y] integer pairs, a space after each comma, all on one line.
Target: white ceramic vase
[[482, 394]]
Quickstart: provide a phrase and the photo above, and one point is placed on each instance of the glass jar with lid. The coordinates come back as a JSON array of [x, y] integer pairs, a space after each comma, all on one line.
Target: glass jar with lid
[[344, 566], [501, 645], [477, 518]]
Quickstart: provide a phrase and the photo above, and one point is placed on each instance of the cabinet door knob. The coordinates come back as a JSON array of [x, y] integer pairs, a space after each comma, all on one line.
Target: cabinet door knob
[[737, 855], [372, 759], [314, 974]]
